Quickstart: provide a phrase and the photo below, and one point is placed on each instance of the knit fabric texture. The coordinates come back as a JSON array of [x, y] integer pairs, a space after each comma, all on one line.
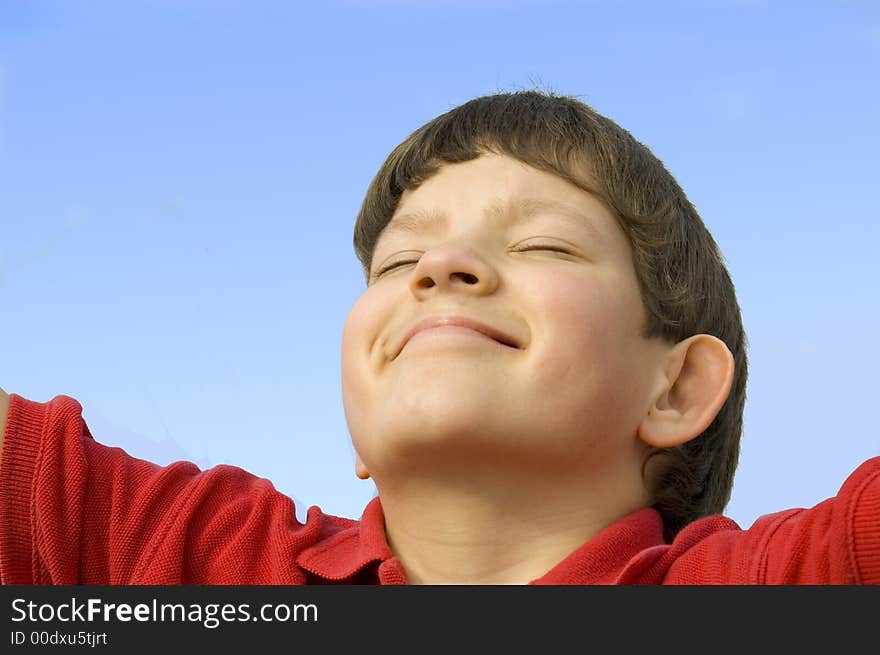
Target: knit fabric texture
[[75, 511]]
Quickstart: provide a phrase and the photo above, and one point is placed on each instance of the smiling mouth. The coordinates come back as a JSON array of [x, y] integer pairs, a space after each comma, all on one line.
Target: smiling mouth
[[457, 330], [458, 325]]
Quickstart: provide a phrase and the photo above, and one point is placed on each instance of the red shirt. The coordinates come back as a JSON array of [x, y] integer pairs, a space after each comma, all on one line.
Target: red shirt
[[73, 511]]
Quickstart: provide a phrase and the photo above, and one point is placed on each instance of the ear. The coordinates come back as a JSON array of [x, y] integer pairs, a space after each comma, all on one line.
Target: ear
[[360, 468], [695, 384]]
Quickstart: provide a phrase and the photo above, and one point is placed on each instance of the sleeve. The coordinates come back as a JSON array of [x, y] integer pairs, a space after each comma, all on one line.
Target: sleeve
[[835, 542], [74, 511]]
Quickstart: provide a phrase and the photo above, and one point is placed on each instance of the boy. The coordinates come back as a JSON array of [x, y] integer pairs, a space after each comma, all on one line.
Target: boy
[[545, 378]]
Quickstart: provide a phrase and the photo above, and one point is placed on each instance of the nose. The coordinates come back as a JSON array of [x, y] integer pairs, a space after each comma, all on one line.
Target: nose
[[453, 267]]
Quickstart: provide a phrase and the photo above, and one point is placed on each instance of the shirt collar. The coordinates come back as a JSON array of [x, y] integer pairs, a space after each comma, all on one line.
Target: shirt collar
[[603, 559], [348, 551]]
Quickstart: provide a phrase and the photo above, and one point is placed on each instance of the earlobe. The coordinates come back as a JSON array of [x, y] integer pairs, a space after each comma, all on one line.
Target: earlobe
[[360, 469], [697, 381]]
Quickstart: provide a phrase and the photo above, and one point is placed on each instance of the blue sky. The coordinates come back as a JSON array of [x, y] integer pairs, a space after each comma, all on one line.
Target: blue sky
[[179, 181]]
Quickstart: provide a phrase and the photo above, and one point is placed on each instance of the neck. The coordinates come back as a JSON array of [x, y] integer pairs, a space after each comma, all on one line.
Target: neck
[[475, 530]]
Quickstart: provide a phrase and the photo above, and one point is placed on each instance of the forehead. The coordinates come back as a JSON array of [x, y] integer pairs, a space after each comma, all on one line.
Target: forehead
[[501, 192], [499, 212]]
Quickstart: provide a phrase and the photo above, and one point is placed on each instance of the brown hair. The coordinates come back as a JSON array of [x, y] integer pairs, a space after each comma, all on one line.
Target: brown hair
[[684, 283]]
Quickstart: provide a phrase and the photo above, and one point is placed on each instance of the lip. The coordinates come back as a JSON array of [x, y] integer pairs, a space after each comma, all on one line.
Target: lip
[[458, 321]]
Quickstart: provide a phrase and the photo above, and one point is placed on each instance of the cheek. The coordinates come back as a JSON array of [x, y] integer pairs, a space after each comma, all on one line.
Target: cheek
[[586, 366], [584, 330], [591, 310], [364, 323], [362, 348]]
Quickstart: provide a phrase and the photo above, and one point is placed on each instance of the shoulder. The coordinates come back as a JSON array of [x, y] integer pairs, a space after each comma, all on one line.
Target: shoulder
[[837, 541], [862, 479]]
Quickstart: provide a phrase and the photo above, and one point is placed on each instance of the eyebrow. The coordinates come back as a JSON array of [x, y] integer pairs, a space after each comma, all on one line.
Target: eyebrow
[[516, 211]]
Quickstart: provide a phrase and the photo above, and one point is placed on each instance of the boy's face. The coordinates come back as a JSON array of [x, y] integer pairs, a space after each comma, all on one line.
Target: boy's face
[[568, 382]]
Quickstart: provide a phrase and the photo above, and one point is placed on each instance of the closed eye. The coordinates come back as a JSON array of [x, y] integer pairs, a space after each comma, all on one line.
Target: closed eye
[[397, 264], [526, 248], [543, 246]]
